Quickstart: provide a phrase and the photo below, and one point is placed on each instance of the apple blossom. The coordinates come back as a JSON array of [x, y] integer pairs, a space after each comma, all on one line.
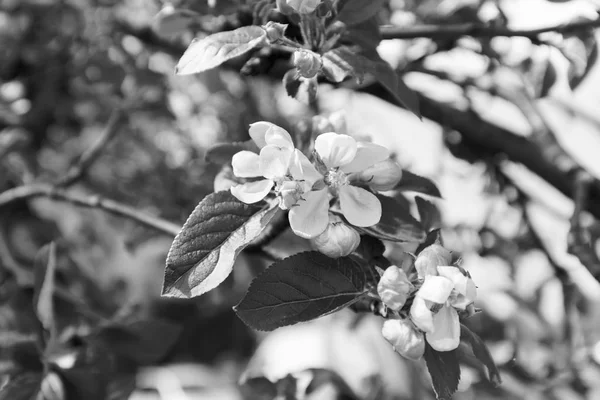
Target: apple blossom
[[338, 239], [430, 258], [307, 63], [394, 287], [404, 337], [382, 176]]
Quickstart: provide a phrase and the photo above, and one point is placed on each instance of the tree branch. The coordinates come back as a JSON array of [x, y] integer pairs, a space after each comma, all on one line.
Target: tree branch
[[479, 30], [43, 190]]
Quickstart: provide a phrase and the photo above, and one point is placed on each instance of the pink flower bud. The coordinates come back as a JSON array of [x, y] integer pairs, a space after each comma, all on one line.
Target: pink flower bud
[[394, 287], [274, 31], [307, 63], [338, 239], [384, 175], [304, 6], [406, 339], [430, 258]]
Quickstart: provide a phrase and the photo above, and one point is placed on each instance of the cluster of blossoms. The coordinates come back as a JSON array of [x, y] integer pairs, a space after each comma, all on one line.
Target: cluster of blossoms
[[341, 178], [433, 315]]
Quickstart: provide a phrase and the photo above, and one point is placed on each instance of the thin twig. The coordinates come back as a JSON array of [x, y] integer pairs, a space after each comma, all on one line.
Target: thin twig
[[95, 201], [478, 30], [92, 153]]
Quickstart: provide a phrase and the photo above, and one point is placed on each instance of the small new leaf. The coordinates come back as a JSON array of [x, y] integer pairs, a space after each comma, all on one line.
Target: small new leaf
[[214, 50], [354, 12], [444, 369], [203, 253], [45, 269], [396, 224], [300, 288], [482, 353], [429, 214], [416, 183]]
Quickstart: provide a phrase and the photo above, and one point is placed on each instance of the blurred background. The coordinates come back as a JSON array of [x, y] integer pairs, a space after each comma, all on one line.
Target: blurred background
[[511, 136]]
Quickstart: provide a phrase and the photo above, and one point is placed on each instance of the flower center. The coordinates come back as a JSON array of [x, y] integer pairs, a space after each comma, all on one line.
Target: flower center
[[335, 179]]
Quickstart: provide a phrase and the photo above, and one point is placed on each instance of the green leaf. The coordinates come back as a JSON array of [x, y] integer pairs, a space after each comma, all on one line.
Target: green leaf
[[353, 12], [429, 214], [444, 370], [292, 82], [24, 386], [300, 288], [394, 84], [203, 253], [416, 183], [214, 50], [396, 224], [366, 35], [144, 342], [221, 153], [342, 62], [45, 269], [482, 353]]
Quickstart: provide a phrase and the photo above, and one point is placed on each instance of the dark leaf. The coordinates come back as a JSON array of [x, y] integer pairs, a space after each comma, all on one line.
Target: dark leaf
[[416, 183], [85, 382], [370, 247], [203, 253], [221, 153], [352, 12], [444, 369], [366, 34], [45, 269], [429, 214], [24, 386], [433, 237], [343, 62], [581, 50], [300, 288], [548, 80], [292, 82], [214, 50], [396, 224], [121, 387], [394, 84], [144, 342], [482, 353], [259, 388]]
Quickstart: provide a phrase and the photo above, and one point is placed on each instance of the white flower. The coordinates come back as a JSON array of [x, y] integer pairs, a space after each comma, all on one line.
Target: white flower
[[343, 156], [288, 170], [406, 339], [430, 258], [393, 287], [382, 176], [434, 306]]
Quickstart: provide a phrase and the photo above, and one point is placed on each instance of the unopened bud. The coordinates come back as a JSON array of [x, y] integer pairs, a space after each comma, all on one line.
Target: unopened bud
[[307, 63], [384, 175], [338, 239], [394, 287], [406, 339], [430, 258], [304, 6], [275, 31]]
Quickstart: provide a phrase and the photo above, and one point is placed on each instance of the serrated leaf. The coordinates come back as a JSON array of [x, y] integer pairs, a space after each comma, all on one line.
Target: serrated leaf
[[291, 82], [342, 62], [444, 370], [352, 12], [45, 269], [203, 253], [24, 386], [300, 288], [482, 353], [221, 153], [394, 84], [396, 224], [214, 50], [429, 214], [144, 342], [416, 183]]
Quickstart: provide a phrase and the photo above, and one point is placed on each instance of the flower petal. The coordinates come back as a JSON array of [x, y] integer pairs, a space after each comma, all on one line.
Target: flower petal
[[464, 286], [360, 207], [257, 132], [436, 289], [302, 169], [309, 217], [421, 315], [277, 136], [245, 164], [407, 341], [367, 154], [335, 150], [274, 161], [252, 192], [446, 330]]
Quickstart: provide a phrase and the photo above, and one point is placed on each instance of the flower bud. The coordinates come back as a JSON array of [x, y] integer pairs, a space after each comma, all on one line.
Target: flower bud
[[274, 31], [338, 239], [307, 63], [406, 339], [394, 287], [430, 258], [384, 175], [304, 6]]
